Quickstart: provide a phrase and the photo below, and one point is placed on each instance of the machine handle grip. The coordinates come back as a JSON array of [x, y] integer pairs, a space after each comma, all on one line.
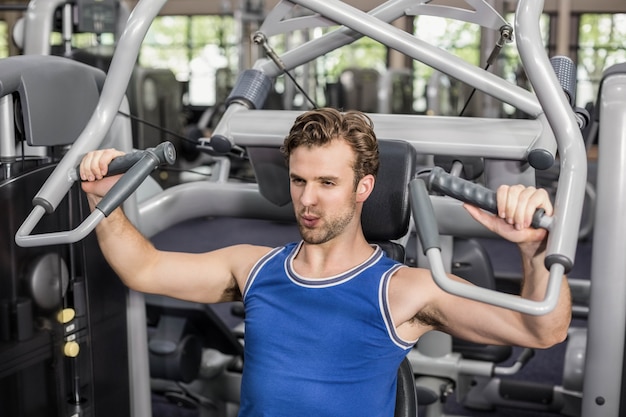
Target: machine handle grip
[[565, 71], [165, 152], [148, 160], [138, 165], [525, 356], [468, 192], [426, 222], [428, 233]]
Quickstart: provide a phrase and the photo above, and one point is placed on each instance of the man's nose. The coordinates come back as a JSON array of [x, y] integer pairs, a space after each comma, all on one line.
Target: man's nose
[[309, 195]]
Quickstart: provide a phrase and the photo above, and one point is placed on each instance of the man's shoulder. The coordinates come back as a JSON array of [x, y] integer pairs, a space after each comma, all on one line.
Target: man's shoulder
[[250, 251], [411, 274], [254, 253]]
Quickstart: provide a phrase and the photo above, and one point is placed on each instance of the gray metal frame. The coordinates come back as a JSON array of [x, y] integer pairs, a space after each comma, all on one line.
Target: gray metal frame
[[38, 24], [604, 364], [104, 128], [570, 192], [554, 114], [552, 128]]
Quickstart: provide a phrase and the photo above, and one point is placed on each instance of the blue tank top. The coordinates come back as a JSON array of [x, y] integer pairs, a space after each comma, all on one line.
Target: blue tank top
[[319, 347]]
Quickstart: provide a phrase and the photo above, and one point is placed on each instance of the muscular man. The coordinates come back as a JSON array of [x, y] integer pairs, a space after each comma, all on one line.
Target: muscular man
[[330, 318]]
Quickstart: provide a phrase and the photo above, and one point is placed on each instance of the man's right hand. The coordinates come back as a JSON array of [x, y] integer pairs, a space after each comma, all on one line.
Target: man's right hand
[[93, 169]]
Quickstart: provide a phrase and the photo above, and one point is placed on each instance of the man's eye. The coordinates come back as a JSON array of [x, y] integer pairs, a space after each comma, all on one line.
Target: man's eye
[[297, 181]]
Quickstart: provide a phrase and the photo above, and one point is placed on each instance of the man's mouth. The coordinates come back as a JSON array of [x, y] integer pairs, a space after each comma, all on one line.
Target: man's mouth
[[308, 220]]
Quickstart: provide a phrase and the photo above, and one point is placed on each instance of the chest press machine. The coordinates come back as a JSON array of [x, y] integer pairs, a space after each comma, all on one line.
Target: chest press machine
[[551, 126]]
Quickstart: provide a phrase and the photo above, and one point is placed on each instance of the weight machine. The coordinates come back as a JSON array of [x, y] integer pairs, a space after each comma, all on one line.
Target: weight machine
[[63, 319], [551, 128], [435, 345]]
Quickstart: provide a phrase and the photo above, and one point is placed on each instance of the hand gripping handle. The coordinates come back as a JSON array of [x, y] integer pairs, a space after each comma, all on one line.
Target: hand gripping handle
[[165, 152], [143, 162], [475, 194], [428, 233], [137, 165]]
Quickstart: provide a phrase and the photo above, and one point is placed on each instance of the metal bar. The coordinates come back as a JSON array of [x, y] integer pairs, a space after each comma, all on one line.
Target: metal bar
[[512, 302], [207, 198], [607, 311], [386, 12], [570, 194], [404, 42], [113, 91], [24, 239], [496, 138]]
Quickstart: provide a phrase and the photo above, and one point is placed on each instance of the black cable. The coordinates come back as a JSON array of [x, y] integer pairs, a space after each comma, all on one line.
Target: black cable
[[260, 39], [471, 95], [240, 155], [160, 128], [506, 35], [309, 99]]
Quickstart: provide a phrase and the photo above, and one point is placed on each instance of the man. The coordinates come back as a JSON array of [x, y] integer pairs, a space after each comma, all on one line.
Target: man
[[330, 318]]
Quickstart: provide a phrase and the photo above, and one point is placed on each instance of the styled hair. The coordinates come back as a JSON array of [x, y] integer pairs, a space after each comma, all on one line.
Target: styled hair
[[321, 126]]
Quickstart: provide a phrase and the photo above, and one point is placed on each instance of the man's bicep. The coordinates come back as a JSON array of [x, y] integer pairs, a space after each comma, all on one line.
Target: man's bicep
[[205, 277]]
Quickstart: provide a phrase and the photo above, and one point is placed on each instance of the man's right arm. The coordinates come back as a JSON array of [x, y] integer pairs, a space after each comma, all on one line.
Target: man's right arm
[[207, 277]]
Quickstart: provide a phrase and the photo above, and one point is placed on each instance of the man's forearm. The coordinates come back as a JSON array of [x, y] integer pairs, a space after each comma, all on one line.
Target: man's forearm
[[535, 274], [124, 247], [552, 325]]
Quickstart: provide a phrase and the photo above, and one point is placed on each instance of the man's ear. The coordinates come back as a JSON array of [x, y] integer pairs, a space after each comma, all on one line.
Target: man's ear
[[365, 188]]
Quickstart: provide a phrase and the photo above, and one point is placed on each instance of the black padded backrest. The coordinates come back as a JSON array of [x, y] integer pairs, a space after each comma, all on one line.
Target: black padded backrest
[[57, 96], [386, 212], [406, 395]]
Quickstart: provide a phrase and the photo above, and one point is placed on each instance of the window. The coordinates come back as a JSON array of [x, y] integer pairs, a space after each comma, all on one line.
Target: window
[[439, 94], [202, 51], [4, 39], [601, 44], [436, 92], [363, 55], [80, 41]]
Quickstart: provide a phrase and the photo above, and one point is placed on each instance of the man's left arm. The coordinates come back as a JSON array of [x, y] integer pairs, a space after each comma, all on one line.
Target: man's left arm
[[516, 207]]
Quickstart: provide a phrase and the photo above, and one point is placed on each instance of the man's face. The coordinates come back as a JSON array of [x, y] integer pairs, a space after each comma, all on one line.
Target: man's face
[[322, 190]]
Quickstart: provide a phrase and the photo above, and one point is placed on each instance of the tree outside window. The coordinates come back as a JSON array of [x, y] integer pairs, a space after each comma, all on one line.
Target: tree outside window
[[602, 40], [4, 37], [198, 49], [435, 92]]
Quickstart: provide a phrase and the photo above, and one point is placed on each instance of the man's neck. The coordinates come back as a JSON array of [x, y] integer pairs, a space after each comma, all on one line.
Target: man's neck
[[331, 258]]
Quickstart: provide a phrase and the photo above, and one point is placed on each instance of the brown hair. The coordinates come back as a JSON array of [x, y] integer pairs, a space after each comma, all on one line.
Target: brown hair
[[321, 126]]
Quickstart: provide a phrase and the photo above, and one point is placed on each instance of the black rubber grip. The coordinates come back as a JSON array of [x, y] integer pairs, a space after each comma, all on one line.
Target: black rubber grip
[[165, 152], [121, 164], [128, 183], [252, 88], [525, 356], [149, 159], [424, 215], [468, 192], [220, 144], [463, 190], [565, 71]]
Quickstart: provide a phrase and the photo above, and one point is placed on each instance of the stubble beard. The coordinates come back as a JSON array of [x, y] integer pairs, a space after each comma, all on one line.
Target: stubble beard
[[329, 229]]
